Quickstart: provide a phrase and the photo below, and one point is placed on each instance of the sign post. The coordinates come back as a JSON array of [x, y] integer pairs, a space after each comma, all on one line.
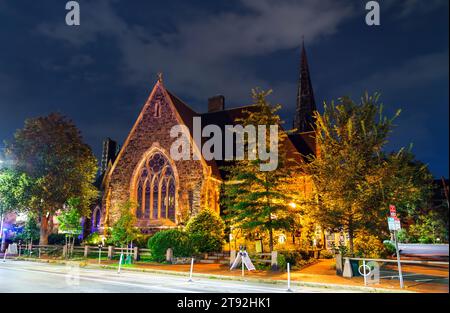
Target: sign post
[[394, 225]]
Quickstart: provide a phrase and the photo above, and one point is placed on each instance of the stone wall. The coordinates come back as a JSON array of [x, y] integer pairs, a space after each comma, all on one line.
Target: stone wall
[[151, 133]]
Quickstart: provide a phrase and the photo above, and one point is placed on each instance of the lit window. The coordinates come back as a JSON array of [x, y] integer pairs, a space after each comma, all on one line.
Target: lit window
[[156, 189]]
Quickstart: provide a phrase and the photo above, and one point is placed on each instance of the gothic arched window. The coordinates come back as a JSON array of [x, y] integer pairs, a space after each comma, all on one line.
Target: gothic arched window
[[156, 189], [157, 109]]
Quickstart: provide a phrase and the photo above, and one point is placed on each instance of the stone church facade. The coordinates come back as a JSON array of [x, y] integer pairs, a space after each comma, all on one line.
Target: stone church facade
[[167, 192]]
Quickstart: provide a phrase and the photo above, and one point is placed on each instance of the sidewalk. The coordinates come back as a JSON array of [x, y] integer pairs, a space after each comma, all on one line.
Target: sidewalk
[[320, 274]]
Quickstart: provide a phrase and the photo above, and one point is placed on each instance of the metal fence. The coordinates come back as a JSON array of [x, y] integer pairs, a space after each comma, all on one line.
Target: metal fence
[[413, 272]]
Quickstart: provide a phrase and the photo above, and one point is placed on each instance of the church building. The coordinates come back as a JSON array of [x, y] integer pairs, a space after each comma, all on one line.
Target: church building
[[168, 192]]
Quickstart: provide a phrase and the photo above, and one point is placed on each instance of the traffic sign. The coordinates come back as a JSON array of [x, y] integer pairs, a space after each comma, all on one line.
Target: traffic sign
[[394, 223], [391, 223], [392, 210], [397, 224]]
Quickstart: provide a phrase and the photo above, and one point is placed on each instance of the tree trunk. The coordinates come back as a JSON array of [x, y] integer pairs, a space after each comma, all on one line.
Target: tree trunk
[[43, 236], [45, 227], [351, 235], [270, 239], [270, 233]]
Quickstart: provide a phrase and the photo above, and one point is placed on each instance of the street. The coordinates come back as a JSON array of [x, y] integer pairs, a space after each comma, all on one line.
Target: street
[[20, 276]]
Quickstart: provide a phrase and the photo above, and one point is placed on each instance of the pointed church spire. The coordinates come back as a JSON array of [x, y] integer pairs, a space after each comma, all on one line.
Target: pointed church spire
[[306, 104]]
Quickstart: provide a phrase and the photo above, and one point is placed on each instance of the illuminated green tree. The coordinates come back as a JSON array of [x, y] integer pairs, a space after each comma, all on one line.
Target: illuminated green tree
[[124, 229], [51, 152], [257, 200], [355, 180], [70, 221]]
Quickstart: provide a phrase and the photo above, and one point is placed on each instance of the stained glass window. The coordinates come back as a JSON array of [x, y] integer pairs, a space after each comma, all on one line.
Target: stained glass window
[[156, 189]]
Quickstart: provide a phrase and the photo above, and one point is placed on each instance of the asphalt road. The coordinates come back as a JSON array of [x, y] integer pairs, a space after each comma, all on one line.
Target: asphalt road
[[19, 276]]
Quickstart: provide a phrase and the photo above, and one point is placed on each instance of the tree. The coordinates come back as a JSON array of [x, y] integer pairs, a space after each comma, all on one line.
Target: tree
[[70, 221], [124, 229], [50, 151], [13, 195], [429, 228], [258, 200], [14, 187], [206, 230], [355, 180]]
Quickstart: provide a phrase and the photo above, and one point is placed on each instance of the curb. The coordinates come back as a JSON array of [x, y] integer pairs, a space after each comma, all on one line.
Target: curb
[[224, 277]]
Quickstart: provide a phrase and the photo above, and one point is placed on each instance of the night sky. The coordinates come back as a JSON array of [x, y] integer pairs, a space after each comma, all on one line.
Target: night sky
[[100, 73]]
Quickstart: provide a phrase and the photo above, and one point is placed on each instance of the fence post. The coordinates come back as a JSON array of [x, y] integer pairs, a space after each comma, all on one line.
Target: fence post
[[86, 251], [110, 252], [136, 253], [232, 256], [169, 255], [274, 260]]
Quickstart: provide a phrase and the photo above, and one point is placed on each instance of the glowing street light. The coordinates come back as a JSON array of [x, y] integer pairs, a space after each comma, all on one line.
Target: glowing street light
[[293, 205]]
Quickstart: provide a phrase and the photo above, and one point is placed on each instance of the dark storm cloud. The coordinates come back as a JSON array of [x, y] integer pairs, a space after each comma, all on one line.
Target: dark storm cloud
[[204, 55]]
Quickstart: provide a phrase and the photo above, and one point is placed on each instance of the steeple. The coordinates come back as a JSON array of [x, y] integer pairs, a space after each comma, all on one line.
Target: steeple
[[306, 104]]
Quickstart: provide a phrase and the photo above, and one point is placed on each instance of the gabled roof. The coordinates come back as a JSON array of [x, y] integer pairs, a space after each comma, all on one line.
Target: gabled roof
[[299, 145], [298, 142]]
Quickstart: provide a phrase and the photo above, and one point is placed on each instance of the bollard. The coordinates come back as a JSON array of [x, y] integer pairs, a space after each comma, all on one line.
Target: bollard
[[99, 254], [110, 252], [136, 253], [169, 255], [39, 253], [4, 256], [289, 277], [120, 263], [365, 276], [86, 251], [192, 268]]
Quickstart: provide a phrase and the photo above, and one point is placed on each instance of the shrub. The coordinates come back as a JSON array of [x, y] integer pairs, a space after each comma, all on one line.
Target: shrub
[[176, 239], [389, 247], [58, 239], [326, 254], [204, 243], [93, 239], [282, 262], [294, 257], [402, 236], [142, 240], [368, 246], [206, 231]]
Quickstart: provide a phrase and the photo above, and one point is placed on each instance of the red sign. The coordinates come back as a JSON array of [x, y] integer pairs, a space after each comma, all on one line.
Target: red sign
[[392, 210]]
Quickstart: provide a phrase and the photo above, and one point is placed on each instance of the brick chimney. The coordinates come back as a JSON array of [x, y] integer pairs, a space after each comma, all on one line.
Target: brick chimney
[[216, 104]]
